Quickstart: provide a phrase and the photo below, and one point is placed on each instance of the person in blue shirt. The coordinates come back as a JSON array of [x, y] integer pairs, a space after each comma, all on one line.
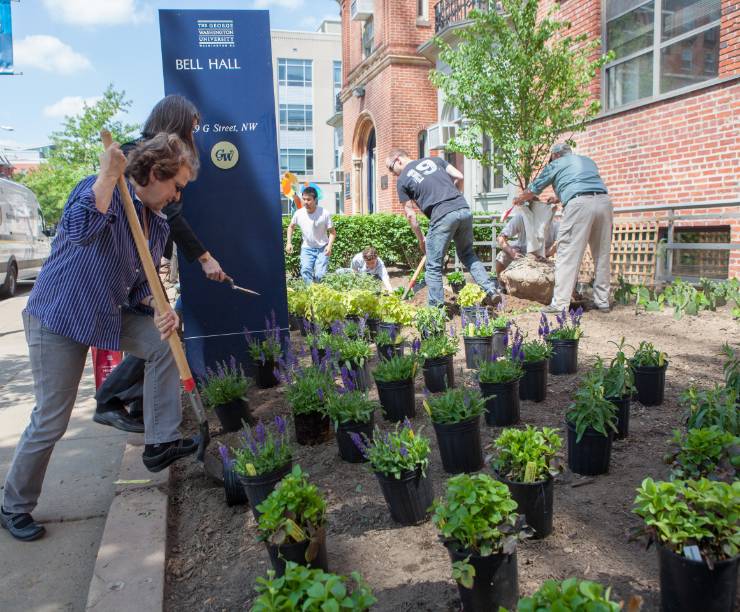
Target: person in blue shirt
[[92, 291], [587, 220]]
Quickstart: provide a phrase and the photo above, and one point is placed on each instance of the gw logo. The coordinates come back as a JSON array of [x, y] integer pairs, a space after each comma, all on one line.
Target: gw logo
[[224, 155]]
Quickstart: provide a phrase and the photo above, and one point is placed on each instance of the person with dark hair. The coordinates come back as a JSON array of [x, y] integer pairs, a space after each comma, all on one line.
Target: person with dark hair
[[431, 184], [367, 261], [173, 114], [92, 291], [318, 235]]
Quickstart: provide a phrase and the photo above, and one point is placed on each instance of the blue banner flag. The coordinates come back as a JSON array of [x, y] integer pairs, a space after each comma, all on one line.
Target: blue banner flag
[[221, 61], [6, 38]]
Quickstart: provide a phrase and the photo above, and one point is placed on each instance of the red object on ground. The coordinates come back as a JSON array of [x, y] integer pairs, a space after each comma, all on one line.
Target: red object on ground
[[103, 362]]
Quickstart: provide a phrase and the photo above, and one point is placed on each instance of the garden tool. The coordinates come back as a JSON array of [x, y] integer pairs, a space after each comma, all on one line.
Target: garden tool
[[412, 282], [186, 377], [228, 279]]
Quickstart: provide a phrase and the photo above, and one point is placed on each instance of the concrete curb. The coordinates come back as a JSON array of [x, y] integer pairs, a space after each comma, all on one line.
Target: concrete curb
[[130, 565]]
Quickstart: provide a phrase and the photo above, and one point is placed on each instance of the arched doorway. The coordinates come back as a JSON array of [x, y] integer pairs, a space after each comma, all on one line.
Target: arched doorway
[[371, 173], [364, 166]]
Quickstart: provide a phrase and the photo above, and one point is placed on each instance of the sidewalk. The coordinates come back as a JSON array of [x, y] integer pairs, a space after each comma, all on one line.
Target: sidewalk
[[53, 573]]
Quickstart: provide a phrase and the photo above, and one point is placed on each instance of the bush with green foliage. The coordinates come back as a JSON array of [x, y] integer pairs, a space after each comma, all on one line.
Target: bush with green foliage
[[471, 295], [349, 281], [397, 368], [392, 309], [716, 407], [307, 388], [497, 370], [455, 405], [590, 408], [570, 595], [705, 452], [350, 406], [430, 320], [456, 278], [439, 346], [527, 455], [647, 355]]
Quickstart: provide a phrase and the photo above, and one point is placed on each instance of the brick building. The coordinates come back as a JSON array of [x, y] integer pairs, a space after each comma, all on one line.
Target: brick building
[[667, 134]]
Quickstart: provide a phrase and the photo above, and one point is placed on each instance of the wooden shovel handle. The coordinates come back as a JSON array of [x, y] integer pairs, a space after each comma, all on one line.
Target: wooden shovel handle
[[151, 272], [412, 282]]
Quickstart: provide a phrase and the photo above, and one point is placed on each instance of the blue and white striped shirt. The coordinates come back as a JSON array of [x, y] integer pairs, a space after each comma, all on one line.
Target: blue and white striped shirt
[[94, 271]]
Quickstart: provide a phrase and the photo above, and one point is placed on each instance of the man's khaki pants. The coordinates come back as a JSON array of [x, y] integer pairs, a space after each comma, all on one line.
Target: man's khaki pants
[[587, 220]]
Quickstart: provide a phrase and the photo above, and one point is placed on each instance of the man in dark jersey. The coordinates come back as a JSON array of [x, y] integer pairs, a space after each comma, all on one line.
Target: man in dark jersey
[[430, 183]]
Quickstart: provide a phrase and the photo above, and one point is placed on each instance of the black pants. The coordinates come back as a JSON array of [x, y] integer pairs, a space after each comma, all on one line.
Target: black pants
[[124, 385]]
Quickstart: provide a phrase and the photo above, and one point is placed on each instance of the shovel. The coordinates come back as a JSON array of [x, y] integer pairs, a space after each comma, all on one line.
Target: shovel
[[186, 377], [412, 282]]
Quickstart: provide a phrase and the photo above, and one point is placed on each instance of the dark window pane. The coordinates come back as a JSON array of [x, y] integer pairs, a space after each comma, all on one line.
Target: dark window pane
[[619, 7], [680, 16], [295, 73], [631, 32], [689, 61], [630, 81]]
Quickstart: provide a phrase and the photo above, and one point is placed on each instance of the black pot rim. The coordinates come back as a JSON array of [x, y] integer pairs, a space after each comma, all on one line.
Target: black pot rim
[[355, 424], [590, 431], [499, 384], [484, 338], [260, 478], [392, 384], [454, 545], [407, 475], [649, 368], [660, 546], [536, 483], [237, 401], [535, 365], [469, 421], [437, 361], [564, 341]]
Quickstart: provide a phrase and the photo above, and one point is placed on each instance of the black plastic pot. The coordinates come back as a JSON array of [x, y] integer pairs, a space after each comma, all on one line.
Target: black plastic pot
[[360, 374], [502, 405], [265, 374], [456, 287], [259, 487], [496, 581], [294, 322], [591, 455], [469, 312], [690, 586], [477, 349], [650, 384], [387, 351], [347, 449], [499, 341], [460, 446], [623, 416], [534, 501], [393, 329], [233, 488], [533, 385], [233, 415], [397, 398], [564, 358], [372, 326], [408, 497], [311, 428], [296, 552], [439, 374]]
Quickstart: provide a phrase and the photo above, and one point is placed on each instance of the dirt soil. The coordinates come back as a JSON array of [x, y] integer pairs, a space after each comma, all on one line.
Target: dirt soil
[[214, 558]]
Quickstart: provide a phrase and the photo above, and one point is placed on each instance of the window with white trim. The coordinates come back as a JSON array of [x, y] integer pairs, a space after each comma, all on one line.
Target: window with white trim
[[295, 72], [298, 161], [660, 46], [296, 117]]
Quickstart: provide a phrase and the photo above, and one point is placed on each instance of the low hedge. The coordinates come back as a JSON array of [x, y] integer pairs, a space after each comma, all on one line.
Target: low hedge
[[389, 233]]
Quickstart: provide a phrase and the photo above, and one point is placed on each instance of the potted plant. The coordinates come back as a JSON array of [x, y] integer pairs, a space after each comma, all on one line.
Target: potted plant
[[525, 461], [713, 407], [573, 595], [399, 459], [225, 390], [619, 386], [455, 416], [304, 588], [394, 313], [353, 354], [394, 378], [351, 412], [478, 524], [262, 459], [430, 321], [265, 353], [456, 280], [318, 342], [470, 299], [501, 325], [649, 366], [533, 385], [437, 353], [326, 305], [389, 344], [362, 304], [564, 340], [299, 305], [477, 338], [233, 489], [498, 379], [731, 370], [292, 523], [591, 421], [696, 526], [306, 392], [704, 452]]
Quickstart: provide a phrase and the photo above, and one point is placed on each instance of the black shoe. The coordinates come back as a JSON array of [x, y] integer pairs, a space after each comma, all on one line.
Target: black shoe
[[119, 419], [21, 526], [492, 299], [159, 456]]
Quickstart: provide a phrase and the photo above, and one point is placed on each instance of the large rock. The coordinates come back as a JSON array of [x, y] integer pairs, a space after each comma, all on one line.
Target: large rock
[[530, 278]]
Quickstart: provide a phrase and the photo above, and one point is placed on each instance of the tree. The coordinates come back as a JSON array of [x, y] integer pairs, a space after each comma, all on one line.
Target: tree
[[75, 150], [521, 82]]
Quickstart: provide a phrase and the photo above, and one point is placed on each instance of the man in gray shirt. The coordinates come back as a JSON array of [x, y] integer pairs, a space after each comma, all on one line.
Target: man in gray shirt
[[587, 220]]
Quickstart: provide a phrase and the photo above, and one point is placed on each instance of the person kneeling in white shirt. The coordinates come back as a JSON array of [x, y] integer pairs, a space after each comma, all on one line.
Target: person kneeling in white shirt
[[368, 262]]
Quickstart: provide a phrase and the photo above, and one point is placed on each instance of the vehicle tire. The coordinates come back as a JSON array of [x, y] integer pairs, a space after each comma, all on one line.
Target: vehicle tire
[[11, 282]]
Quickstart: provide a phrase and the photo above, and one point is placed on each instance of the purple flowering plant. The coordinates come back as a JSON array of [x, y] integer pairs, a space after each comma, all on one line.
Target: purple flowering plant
[[307, 388], [396, 452], [270, 347], [225, 384], [262, 449], [455, 405], [568, 325], [349, 404], [398, 367], [440, 346]]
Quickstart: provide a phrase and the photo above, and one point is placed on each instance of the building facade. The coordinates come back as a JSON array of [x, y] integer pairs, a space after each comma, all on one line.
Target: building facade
[[668, 132], [307, 73]]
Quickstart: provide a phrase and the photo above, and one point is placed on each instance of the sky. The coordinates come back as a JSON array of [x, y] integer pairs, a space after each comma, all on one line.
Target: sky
[[70, 50]]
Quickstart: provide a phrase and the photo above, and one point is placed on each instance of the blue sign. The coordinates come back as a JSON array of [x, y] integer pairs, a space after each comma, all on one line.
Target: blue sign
[[6, 38], [221, 61]]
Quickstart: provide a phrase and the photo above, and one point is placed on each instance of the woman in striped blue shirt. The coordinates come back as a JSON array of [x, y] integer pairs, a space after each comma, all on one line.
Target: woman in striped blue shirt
[[92, 291]]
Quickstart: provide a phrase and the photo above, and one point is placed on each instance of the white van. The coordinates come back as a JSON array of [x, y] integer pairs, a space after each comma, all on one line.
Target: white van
[[24, 241]]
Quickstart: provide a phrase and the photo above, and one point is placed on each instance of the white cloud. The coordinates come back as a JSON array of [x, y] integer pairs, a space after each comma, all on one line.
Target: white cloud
[[267, 4], [99, 12], [49, 53], [69, 106]]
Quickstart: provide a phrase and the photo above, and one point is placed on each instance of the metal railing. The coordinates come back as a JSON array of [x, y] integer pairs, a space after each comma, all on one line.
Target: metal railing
[[664, 264], [448, 12]]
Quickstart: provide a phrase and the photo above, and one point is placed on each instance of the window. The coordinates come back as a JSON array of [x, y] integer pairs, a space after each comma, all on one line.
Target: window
[[338, 146], [339, 202], [492, 177], [423, 144], [368, 33], [296, 117], [659, 46], [298, 161], [337, 86], [295, 72], [421, 9]]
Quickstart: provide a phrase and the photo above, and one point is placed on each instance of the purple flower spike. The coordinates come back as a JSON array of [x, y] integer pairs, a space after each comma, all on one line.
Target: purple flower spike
[[224, 452], [407, 424], [403, 451], [320, 394], [260, 433], [280, 424], [416, 345], [359, 443]]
